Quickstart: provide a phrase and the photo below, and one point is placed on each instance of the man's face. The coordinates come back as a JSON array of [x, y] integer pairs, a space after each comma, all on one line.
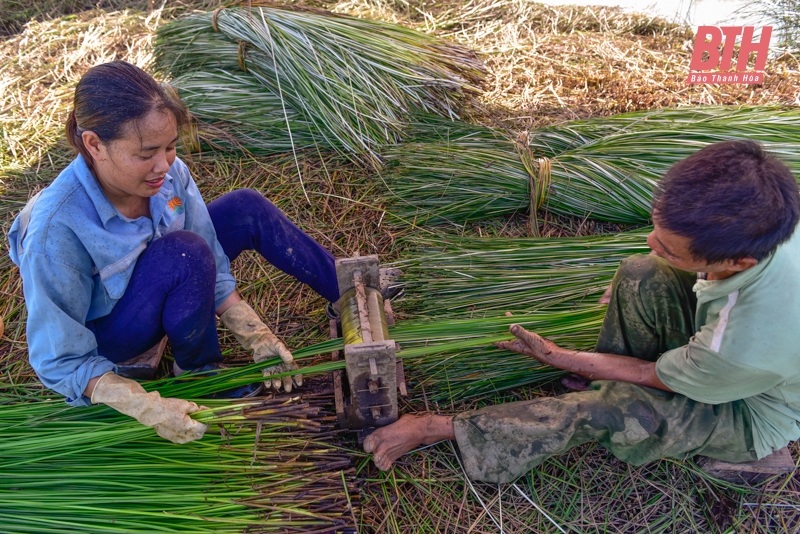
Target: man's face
[[675, 249]]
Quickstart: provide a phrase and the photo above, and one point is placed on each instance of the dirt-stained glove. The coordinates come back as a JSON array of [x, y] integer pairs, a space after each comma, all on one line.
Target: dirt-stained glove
[[169, 417], [252, 334]]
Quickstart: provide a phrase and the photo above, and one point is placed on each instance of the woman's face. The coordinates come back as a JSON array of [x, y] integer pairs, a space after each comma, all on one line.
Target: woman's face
[[135, 164]]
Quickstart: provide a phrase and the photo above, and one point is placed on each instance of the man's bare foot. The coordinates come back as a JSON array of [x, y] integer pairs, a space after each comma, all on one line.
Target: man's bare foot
[[407, 433]]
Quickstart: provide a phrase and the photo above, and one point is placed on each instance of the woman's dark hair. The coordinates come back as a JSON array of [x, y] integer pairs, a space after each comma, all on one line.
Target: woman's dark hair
[[113, 95], [731, 200]]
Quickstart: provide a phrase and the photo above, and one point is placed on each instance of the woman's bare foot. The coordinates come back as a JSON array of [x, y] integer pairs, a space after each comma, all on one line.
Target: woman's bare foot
[[407, 433]]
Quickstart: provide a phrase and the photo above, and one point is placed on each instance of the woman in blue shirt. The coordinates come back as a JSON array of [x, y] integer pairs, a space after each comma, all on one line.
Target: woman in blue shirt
[[121, 250]]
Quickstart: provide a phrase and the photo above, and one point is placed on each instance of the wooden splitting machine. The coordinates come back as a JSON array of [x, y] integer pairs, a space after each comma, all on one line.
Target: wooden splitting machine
[[368, 398]]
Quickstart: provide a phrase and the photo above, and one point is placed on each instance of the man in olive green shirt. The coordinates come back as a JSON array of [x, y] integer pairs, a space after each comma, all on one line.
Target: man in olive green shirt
[[747, 346], [683, 366]]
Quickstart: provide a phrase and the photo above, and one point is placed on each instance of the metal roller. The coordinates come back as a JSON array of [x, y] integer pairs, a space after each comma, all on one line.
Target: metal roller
[[351, 324]]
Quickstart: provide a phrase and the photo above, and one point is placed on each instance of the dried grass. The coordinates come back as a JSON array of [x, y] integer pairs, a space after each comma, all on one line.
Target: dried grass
[[41, 67], [549, 64]]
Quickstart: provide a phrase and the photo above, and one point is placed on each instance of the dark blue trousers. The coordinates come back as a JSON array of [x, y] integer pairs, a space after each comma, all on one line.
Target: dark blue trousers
[[171, 291]]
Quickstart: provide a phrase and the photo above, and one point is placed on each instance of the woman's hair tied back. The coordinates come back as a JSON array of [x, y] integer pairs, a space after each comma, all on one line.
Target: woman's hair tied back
[[111, 96]]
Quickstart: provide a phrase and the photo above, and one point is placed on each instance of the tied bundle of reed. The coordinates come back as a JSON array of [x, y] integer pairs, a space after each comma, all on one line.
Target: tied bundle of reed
[[237, 112], [606, 171], [771, 122], [93, 470], [341, 83], [467, 277]]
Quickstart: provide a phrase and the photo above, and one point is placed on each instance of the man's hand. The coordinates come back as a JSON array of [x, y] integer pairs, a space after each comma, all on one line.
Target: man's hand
[[591, 365], [531, 344]]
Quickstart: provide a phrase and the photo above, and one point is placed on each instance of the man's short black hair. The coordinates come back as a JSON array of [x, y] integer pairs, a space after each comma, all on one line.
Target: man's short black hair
[[731, 200]]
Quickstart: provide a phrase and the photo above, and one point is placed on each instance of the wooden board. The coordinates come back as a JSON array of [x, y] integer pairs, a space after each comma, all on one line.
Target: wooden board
[[337, 375], [777, 463], [145, 365]]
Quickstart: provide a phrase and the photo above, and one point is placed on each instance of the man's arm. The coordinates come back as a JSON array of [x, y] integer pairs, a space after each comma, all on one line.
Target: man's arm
[[592, 365]]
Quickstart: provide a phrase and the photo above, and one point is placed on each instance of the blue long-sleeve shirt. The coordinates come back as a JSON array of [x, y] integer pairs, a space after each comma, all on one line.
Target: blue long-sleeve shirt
[[76, 253]]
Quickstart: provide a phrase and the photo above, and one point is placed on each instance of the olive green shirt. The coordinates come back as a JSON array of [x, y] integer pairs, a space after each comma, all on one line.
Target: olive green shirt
[[747, 347]]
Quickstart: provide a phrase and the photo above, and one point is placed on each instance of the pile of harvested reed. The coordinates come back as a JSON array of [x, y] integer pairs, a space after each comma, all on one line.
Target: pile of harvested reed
[[598, 169], [100, 471], [333, 81]]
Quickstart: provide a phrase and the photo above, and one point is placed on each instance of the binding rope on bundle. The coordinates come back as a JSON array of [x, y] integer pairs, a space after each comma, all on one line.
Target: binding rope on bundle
[[341, 84], [541, 177]]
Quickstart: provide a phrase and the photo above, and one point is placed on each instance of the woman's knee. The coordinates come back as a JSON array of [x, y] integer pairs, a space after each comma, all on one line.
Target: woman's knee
[[246, 201], [247, 196], [183, 251]]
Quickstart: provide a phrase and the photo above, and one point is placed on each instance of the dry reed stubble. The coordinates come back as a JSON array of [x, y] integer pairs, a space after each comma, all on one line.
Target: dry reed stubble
[[555, 63], [41, 67]]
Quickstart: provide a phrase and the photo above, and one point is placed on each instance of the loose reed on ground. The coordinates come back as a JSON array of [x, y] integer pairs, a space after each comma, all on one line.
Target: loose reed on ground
[[98, 471], [471, 277]]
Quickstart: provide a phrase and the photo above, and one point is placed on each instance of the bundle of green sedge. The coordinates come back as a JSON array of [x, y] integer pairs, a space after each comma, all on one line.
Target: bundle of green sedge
[[281, 78], [604, 168], [475, 277]]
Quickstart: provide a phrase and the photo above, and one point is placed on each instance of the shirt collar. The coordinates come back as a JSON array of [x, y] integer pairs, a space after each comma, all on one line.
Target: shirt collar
[[105, 209], [708, 290]]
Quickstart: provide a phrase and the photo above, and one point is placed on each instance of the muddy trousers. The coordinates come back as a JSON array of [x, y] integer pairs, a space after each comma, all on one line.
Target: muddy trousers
[[651, 311]]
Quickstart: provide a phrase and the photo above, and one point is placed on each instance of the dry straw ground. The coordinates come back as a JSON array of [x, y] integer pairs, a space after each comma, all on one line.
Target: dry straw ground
[[546, 65]]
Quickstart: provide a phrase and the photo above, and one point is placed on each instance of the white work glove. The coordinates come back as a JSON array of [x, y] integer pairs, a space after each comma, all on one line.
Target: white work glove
[[169, 417], [253, 334]]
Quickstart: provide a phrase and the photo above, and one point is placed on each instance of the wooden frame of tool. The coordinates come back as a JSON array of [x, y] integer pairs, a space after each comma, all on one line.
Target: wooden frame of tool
[[374, 374]]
